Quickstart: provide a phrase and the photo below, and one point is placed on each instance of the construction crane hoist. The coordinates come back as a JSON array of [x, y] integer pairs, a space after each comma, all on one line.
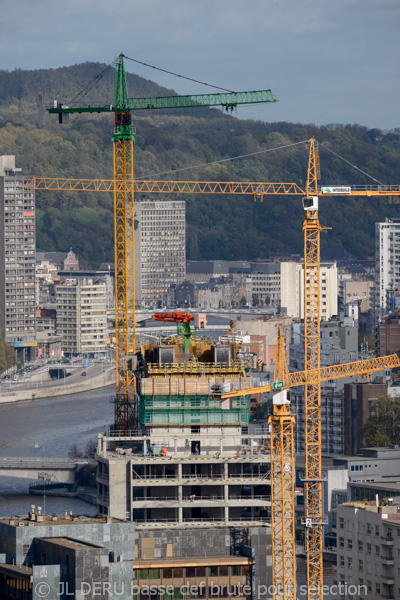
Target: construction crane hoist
[[123, 187], [183, 329]]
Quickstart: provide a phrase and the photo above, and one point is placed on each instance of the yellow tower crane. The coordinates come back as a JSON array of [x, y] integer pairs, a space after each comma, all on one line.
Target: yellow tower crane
[[123, 138], [311, 377], [282, 458]]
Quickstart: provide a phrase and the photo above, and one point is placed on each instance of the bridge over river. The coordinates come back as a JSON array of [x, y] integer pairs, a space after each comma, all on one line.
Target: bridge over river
[[60, 470]]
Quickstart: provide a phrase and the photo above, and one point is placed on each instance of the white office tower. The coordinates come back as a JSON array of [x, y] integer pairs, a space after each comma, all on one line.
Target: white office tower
[[160, 255], [387, 265]]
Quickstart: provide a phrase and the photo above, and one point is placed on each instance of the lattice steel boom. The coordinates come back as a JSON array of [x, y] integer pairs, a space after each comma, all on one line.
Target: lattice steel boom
[[282, 486]]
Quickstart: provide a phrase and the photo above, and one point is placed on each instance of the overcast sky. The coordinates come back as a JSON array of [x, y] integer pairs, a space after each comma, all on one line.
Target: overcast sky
[[328, 61]]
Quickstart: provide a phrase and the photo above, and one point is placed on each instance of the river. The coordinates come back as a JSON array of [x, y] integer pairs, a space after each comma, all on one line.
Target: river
[[48, 428]]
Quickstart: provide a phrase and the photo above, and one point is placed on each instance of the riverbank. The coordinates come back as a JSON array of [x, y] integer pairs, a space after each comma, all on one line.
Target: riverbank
[[87, 384], [58, 490]]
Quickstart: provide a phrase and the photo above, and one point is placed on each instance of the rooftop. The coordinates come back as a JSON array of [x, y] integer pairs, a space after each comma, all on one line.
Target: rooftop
[[24, 521]]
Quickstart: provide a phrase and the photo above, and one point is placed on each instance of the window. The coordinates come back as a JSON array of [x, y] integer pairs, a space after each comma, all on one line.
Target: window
[[360, 546], [349, 563], [360, 565], [349, 544], [341, 542], [369, 529], [167, 573], [342, 561], [377, 550], [341, 523], [369, 548], [154, 573], [376, 529]]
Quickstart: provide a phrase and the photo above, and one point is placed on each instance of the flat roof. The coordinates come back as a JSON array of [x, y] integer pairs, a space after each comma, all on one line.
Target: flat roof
[[71, 543], [58, 520], [377, 484], [17, 571]]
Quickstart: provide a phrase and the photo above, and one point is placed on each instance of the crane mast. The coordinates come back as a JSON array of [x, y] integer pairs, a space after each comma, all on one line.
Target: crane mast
[[282, 485], [312, 389], [125, 398]]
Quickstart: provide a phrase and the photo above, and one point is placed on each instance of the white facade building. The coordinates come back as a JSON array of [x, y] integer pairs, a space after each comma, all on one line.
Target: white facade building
[[292, 289], [387, 263], [368, 551], [82, 316]]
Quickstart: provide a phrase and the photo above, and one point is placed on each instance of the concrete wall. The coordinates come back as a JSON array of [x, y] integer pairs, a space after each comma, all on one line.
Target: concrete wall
[[89, 383]]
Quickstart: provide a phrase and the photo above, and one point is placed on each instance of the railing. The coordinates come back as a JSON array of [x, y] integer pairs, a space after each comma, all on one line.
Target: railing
[[195, 368], [387, 538], [211, 498], [265, 520], [212, 477]]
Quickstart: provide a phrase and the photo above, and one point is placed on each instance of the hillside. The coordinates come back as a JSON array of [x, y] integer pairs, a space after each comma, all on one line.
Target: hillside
[[224, 227]]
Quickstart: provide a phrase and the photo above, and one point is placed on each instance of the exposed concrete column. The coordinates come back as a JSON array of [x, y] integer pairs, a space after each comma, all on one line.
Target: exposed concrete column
[[226, 513], [221, 444], [99, 443], [226, 492], [179, 493], [226, 472], [179, 470], [176, 445], [144, 448], [180, 514]]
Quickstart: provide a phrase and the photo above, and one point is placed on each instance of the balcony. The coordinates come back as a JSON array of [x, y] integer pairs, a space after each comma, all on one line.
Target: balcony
[[388, 560], [388, 579], [387, 540]]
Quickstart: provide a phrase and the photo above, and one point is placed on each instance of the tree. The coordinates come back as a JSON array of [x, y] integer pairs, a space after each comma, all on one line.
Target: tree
[[256, 300], [74, 452], [243, 301], [90, 449], [383, 426]]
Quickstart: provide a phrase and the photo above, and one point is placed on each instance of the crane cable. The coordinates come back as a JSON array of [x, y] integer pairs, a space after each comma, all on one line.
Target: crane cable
[[223, 160], [177, 75], [351, 164], [88, 86]]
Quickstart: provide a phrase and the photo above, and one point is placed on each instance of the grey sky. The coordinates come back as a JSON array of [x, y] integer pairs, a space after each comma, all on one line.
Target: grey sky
[[328, 61]]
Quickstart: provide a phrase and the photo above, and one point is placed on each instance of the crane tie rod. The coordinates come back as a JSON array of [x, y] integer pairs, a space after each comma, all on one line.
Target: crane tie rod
[[351, 164], [177, 75], [216, 162]]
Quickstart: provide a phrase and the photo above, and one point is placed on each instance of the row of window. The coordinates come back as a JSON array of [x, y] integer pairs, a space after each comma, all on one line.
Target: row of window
[[182, 572]]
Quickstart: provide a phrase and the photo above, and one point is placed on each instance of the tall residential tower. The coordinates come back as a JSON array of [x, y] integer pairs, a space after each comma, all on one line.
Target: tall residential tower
[[17, 261], [160, 255]]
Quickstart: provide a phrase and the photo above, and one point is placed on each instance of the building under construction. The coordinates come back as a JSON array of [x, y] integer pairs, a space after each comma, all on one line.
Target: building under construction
[[191, 462]]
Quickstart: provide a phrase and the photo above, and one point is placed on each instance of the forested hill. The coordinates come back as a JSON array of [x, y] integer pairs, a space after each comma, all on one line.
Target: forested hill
[[223, 227]]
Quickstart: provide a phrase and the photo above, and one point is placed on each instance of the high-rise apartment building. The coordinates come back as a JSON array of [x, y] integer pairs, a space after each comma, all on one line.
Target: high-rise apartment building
[[368, 550], [160, 253], [81, 316], [17, 261], [339, 344], [387, 264]]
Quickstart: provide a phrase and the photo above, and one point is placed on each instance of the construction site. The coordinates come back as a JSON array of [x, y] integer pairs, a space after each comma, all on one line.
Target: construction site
[[179, 460]]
